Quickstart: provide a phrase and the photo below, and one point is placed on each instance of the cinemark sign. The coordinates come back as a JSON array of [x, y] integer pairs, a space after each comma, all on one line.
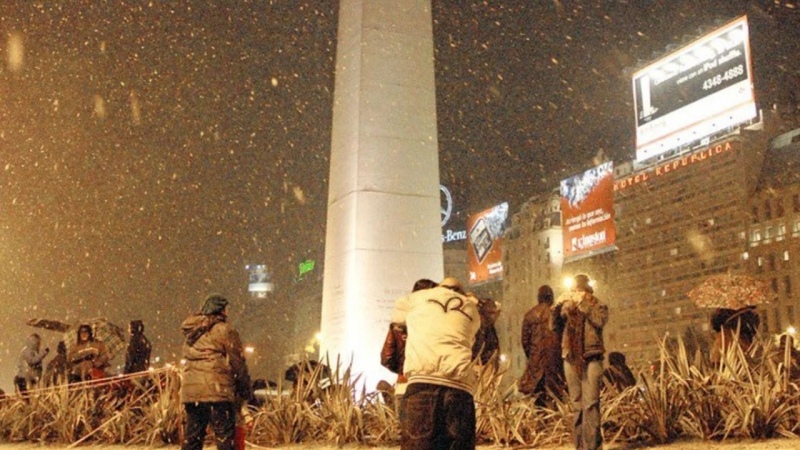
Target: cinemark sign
[[672, 166]]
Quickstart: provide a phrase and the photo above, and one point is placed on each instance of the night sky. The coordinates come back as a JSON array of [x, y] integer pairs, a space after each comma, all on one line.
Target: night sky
[[150, 150]]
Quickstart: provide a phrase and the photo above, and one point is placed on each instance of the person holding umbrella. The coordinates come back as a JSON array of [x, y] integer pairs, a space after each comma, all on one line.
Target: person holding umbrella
[[733, 298], [733, 325]]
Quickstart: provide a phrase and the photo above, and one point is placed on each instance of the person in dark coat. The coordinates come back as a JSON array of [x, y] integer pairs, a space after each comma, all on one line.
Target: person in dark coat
[[727, 323], [393, 352], [57, 368], [137, 356], [487, 343], [216, 381], [618, 374], [29, 369], [544, 372]]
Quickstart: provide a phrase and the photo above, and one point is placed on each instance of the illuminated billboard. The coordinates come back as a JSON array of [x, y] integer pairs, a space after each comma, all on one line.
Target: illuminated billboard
[[695, 92], [587, 212], [484, 243]]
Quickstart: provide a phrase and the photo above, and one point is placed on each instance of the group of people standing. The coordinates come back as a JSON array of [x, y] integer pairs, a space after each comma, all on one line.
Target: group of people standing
[[563, 341], [435, 341], [433, 346], [87, 359]]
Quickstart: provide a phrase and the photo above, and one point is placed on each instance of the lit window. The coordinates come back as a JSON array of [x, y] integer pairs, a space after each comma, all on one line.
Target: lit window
[[745, 256], [755, 235], [673, 251], [786, 255]]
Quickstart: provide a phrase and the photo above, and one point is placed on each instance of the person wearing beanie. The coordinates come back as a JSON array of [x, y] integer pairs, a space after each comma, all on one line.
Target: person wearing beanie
[[216, 381], [439, 404]]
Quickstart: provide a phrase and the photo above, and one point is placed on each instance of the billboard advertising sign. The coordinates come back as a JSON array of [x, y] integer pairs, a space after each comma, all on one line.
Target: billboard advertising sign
[[587, 209], [695, 92], [484, 243]]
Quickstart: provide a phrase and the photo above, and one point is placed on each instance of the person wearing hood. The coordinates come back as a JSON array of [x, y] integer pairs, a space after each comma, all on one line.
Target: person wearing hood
[[137, 356], [29, 369], [88, 358], [216, 381], [439, 406]]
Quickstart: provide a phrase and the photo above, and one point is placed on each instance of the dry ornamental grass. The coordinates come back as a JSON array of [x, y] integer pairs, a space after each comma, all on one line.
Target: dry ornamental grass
[[751, 400]]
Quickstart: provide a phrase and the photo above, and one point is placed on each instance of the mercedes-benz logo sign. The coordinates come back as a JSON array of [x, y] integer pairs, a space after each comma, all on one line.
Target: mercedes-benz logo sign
[[446, 203]]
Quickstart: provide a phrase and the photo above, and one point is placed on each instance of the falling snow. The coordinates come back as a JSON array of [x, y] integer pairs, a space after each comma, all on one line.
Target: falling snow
[[150, 151]]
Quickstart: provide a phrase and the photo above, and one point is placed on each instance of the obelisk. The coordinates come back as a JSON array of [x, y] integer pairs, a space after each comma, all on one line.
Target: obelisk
[[383, 225]]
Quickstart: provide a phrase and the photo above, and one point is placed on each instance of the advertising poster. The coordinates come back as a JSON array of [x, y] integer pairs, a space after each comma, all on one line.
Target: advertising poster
[[587, 212], [484, 243], [699, 90]]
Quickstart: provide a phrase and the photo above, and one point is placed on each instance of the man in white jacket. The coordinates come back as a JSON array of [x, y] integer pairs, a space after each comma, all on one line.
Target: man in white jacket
[[439, 409]]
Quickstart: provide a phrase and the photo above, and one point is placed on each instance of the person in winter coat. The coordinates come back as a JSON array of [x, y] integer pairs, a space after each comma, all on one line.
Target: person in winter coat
[[393, 353], [544, 372], [439, 405], [137, 356], [216, 382], [57, 368], [487, 343], [88, 358], [582, 318], [29, 369], [727, 323]]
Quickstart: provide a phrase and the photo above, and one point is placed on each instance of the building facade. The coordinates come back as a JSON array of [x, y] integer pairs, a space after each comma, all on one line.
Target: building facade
[[773, 232], [715, 209]]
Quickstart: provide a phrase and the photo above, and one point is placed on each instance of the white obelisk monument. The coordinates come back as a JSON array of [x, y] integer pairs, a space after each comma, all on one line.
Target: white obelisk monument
[[383, 229]]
